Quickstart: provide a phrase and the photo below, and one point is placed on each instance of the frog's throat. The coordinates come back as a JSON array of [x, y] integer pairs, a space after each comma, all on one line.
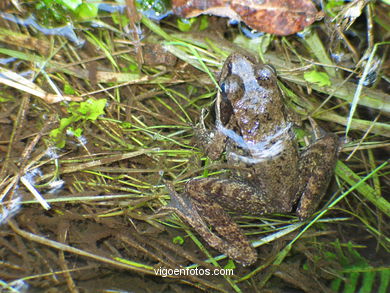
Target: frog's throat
[[269, 148]]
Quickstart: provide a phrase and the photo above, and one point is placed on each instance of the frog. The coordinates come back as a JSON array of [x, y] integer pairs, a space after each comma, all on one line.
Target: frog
[[269, 172]]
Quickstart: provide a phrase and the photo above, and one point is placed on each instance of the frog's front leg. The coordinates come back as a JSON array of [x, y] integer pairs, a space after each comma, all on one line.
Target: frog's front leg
[[211, 141], [317, 163]]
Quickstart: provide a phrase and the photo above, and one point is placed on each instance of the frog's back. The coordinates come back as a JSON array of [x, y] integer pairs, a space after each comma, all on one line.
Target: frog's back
[[260, 142]]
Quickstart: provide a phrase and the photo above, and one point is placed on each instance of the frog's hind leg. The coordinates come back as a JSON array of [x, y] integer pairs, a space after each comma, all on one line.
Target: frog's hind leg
[[316, 167], [234, 195], [229, 238], [211, 196], [183, 206]]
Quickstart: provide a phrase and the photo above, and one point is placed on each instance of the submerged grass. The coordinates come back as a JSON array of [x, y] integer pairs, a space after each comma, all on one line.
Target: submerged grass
[[113, 173]]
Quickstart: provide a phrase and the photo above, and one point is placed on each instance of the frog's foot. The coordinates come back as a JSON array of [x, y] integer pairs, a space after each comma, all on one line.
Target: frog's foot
[[212, 142], [232, 241]]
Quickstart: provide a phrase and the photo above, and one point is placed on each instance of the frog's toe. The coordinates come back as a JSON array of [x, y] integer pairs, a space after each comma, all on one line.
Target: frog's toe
[[246, 256]]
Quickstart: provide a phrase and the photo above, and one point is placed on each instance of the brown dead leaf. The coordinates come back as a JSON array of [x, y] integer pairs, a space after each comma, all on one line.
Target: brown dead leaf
[[270, 16]]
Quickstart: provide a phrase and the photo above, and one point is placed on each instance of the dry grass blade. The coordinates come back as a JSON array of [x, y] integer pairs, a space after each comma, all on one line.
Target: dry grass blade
[[67, 248], [16, 81]]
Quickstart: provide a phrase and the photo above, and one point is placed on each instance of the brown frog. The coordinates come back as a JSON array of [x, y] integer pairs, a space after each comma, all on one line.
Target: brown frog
[[268, 174]]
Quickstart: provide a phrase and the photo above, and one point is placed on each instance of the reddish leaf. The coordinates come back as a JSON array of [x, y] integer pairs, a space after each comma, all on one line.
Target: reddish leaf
[[270, 16]]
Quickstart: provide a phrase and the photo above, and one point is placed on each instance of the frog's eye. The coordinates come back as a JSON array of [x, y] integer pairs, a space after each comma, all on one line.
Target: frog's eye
[[229, 67], [223, 88], [266, 72], [232, 88]]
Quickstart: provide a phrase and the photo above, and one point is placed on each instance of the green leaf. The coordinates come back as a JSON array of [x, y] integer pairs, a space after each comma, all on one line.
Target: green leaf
[[367, 282], [76, 132], [69, 90], [70, 4], [65, 122], [178, 240], [133, 68], [58, 134], [320, 78], [185, 24], [351, 282], [384, 281], [55, 133], [356, 274], [5, 97], [88, 110], [336, 284], [230, 265], [204, 22], [58, 137], [87, 11], [126, 124], [120, 19]]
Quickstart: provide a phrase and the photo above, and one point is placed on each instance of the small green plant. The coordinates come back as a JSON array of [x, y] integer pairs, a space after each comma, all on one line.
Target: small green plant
[[357, 275], [88, 110], [230, 265], [320, 78], [186, 24], [83, 9], [54, 12], [178, 240]]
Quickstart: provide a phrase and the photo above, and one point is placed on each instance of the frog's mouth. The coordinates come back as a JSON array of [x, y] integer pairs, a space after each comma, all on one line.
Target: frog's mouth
[[269, 148]]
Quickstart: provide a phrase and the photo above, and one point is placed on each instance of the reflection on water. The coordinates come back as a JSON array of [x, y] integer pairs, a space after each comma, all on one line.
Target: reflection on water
[[66, 31]]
